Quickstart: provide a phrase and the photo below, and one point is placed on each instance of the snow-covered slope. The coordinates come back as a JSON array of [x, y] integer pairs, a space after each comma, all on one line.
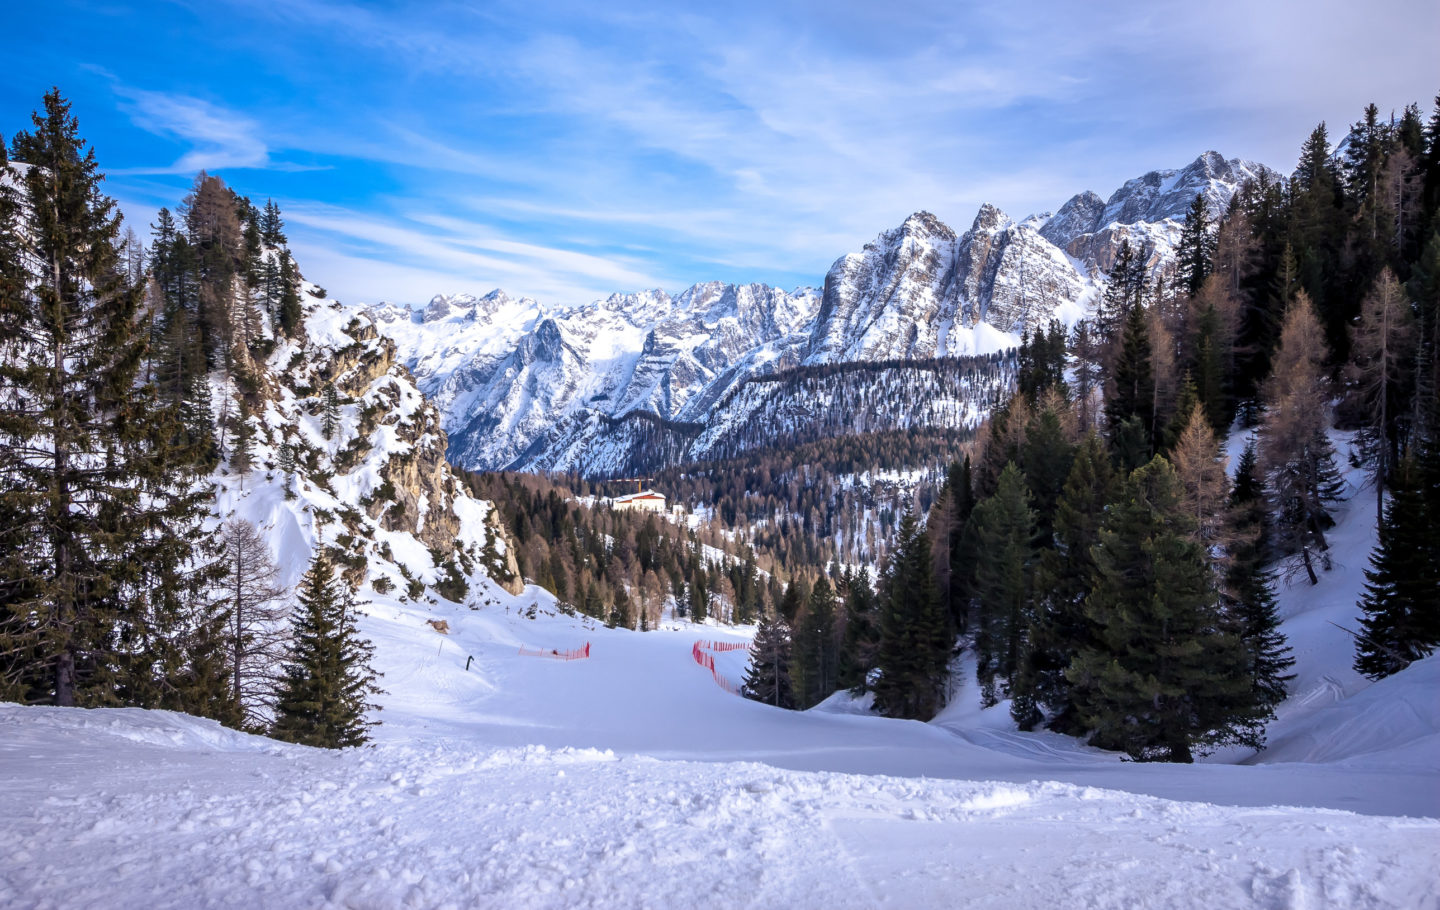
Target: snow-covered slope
[[522, 386], [631, 779]]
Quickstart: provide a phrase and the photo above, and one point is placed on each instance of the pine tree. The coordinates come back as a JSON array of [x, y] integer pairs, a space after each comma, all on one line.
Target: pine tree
[[792, 601], [915, 639], [272, 227], [170, 635], [325, 695], [1196, 247], [1063, 579], [815, 652], [291, 315], [1006, 532], [1162, 679], [329, 411], [1248, 593], [69, 361], [1130, 405], [961, 544], [857, 648], [1295, 453], [768, 677], [1045, 462], [287, 467], [1124, 292], [1402, 590]]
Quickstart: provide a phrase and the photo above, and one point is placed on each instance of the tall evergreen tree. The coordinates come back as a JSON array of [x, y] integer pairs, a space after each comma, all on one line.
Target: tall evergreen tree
[[69, 422], [1248, 592], [1402, 590], [329, 411], [1130, 404], [1196, 247], [291, 315], [816, 650], [915, 642], [325, 695], [1063, 579], [1006, 531], [1162, 679], [857, 647], [768, 677]]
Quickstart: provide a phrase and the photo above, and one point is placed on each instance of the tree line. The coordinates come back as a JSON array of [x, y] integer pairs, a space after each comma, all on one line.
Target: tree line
[[1111, 578], [117, 585]]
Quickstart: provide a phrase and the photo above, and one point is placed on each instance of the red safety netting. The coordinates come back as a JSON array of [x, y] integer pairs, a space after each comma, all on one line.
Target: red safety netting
[[697, 652], [555, 654], [718, 646]]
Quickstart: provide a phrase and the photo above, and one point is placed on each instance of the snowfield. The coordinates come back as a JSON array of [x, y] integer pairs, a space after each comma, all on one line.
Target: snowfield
[[156, 810], [631, 779]]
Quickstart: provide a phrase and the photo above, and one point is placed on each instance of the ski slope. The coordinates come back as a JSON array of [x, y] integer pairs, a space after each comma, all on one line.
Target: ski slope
[[630, 779]]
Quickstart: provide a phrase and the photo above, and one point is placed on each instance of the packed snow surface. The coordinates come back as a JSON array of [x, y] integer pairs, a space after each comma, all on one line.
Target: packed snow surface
[[631, 779]]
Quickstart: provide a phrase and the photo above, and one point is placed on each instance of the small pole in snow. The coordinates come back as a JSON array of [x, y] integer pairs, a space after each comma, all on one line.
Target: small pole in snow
[[467, 662], [441, 648]]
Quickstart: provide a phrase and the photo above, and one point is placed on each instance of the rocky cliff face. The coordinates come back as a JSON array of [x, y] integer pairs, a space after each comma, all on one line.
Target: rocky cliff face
[[523, 387], [1147, 210], [369, 481]]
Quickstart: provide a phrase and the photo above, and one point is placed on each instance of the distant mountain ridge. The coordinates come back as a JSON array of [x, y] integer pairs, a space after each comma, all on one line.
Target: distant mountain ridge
[[524, 386]]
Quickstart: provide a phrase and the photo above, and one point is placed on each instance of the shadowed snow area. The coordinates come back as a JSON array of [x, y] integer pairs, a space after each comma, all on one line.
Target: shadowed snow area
[[631, 779]]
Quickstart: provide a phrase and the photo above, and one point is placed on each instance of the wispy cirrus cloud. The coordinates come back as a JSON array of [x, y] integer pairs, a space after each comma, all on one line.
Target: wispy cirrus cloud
[[459, 251], [567, 149]]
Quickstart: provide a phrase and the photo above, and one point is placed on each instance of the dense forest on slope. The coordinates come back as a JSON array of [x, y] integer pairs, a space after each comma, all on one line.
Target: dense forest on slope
[[802, 405], [1111, 577]]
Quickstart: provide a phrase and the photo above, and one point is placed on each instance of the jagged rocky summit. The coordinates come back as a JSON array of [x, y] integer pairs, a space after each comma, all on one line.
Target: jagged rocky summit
[[523, 386]]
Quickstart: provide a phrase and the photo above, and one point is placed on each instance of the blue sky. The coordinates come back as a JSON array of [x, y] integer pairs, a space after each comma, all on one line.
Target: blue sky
[[567, 150]]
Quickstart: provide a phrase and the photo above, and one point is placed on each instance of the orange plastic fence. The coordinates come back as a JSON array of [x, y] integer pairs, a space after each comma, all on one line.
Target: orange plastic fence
[[697, 652], [554, 654]]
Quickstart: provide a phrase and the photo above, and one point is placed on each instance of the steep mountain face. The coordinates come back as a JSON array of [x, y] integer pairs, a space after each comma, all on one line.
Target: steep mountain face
[[507, 372], [1148, 210], [920, 291], [525, 387]]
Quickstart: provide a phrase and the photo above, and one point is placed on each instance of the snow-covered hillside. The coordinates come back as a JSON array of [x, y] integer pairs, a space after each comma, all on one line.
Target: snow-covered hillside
[[631, 779], [378, 492], [525, 386]]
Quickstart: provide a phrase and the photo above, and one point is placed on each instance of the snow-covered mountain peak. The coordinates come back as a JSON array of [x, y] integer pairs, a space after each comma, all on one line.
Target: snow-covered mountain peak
[[525, 387], [990, 218]]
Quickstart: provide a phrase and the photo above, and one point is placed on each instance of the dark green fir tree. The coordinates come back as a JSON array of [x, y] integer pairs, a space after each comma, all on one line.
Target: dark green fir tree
[[1401, 602], [915, 637], [1005, 526], [1163, 679], [1248, 596], [816, 651], [768, 678], [328, 683]]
